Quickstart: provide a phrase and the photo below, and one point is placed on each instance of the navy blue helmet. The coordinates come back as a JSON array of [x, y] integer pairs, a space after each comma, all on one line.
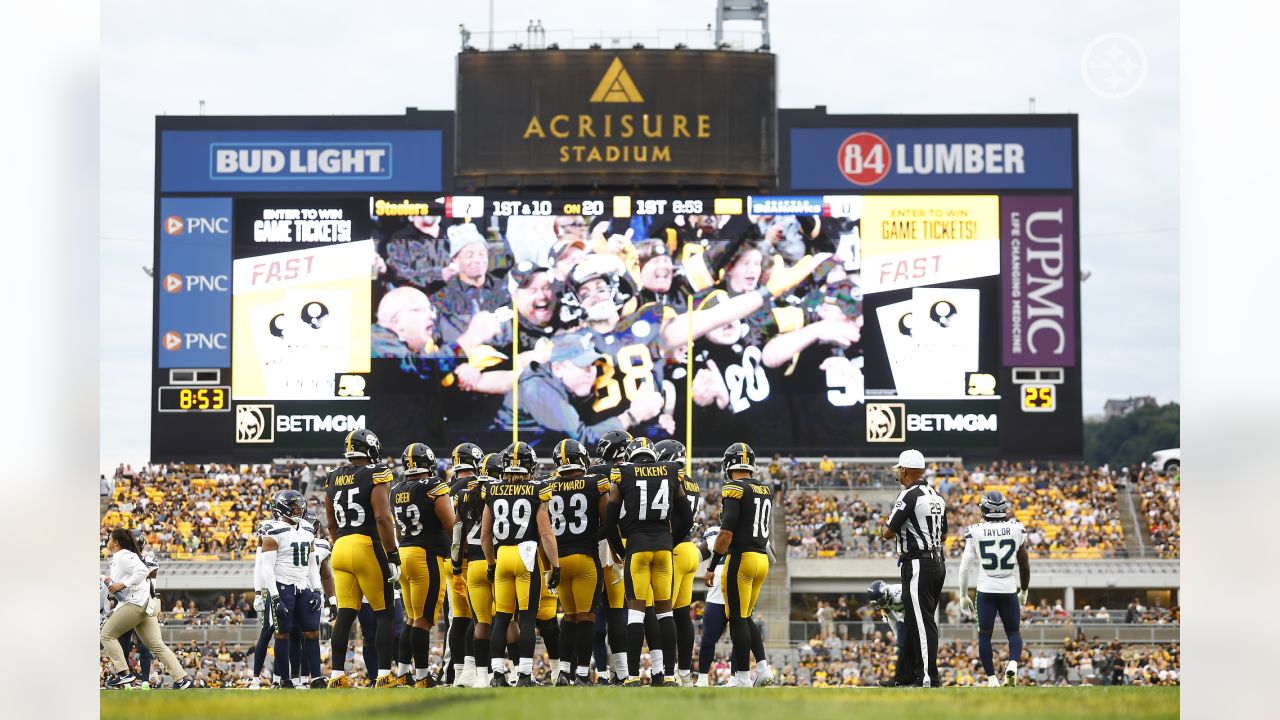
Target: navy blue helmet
[[994, 506]]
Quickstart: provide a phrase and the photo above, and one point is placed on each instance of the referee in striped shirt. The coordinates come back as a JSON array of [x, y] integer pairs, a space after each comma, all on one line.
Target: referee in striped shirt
[[919, 524]]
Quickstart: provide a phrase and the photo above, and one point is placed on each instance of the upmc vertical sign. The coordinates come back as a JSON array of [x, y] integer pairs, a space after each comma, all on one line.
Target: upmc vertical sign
[[1038, 281], [194, 278]]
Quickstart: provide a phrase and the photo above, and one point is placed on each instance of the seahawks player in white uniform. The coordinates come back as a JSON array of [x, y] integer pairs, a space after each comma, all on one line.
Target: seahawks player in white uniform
[[888, 598], [714, 619], [994, 544], [287, 578]]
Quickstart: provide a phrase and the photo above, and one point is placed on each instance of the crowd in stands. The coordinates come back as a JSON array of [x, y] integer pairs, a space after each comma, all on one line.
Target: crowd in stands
[[1162, 509], [194, 511], [833, 661], [184, 609], [1068, 512]]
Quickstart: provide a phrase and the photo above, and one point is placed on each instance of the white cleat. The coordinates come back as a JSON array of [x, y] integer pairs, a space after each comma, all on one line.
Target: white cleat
[[684, 679], [734, 682], [763, 679], [993, 681], [1011, 674], [703, 680], [482, 679], [466, 678]]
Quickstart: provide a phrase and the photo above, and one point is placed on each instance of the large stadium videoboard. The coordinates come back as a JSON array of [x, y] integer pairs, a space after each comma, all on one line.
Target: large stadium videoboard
[[843, 316]]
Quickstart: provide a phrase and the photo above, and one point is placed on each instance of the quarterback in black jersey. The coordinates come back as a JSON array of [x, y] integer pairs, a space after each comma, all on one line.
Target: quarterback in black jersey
[[684, 565], [425, 518], [746, 512], [647, 503], [366, 559]]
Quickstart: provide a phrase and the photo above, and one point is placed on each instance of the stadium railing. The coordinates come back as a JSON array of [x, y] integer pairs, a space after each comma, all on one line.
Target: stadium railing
[[1040, 634]]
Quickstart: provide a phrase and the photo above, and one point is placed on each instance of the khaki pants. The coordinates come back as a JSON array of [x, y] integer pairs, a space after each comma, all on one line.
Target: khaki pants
[[131, 617]]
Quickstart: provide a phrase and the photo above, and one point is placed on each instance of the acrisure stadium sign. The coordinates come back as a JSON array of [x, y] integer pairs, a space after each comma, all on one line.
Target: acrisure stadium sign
[[587, 117]]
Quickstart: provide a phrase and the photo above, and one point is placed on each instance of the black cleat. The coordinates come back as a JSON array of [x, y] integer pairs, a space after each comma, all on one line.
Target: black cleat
[[583, 681], [564, 680], [888, 684], [657, 679], [119, 680], [523, 680], [184, 683], [319, 683], [498, 679]]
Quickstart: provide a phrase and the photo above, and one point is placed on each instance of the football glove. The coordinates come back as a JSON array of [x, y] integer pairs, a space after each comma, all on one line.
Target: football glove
[[966, 604], [553, 581], [332, 602], [393, 566], [492, 572], [280, 610], [314, 602], [1022, 596], [457, 567], [258, 603]]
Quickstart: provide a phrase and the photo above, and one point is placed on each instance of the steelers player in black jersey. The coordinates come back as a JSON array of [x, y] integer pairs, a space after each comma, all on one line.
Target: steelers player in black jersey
[[474, 571], [746, 511], [365, 559], [463, 464], [684, 565], [514, 526], [647, 505], [610, 451], [424, 517], [578, 505]]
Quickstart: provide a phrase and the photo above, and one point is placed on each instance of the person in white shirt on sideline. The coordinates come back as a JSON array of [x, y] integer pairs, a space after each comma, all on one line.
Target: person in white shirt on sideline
[[136, 610]]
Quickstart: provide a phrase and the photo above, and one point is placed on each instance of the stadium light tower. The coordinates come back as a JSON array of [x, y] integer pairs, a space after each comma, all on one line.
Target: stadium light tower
[[754, 10]]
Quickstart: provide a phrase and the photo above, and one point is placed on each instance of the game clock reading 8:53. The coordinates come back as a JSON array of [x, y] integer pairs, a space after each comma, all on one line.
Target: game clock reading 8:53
[[194, 398]]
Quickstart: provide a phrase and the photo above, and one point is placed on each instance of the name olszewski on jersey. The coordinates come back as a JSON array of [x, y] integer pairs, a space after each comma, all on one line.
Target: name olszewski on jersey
[[993, 546]]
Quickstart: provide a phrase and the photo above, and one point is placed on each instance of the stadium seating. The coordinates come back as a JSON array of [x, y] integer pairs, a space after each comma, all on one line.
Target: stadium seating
[[1162, 510]]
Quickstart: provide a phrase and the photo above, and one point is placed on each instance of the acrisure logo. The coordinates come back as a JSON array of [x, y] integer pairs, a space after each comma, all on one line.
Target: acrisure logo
[[616, 86]]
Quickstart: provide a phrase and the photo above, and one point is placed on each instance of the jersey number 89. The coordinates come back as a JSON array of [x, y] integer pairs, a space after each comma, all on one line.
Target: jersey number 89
[[507, 513]]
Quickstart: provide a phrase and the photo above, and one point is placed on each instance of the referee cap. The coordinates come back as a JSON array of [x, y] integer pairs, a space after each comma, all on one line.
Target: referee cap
[[910, 459]]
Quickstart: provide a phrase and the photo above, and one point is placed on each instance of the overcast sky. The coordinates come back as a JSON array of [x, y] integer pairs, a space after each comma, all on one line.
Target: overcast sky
[[345, 58]]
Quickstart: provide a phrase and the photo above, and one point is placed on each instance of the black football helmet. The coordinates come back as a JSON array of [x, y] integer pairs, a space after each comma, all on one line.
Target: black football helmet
[[362, 443], [418, 460], [641, 450], [612, 446], [994, 506], [739, 456], [520, 458], [466, 456], [490, 466], [670, 450], [571, 455], [288, 505]]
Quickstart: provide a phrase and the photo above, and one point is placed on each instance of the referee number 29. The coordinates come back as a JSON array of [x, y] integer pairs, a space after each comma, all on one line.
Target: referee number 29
[[764, 514]]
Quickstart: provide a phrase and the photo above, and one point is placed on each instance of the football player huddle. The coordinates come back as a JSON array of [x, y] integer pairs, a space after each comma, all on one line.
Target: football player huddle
[[598, 558]]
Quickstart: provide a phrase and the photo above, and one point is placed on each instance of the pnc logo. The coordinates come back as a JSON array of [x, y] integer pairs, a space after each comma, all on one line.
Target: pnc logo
[[173, 225], [172, 341], [616, 86], [173, 283]]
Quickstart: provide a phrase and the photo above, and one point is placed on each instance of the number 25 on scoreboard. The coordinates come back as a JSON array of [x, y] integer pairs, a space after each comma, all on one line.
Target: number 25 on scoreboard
[[1039, 398]]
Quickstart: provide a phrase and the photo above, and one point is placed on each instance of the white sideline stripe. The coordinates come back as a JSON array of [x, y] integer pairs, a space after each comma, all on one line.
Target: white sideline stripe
[[915, 609]]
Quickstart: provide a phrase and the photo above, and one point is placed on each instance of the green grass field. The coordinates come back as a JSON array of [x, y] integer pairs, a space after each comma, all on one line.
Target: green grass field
[[679, 703]]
